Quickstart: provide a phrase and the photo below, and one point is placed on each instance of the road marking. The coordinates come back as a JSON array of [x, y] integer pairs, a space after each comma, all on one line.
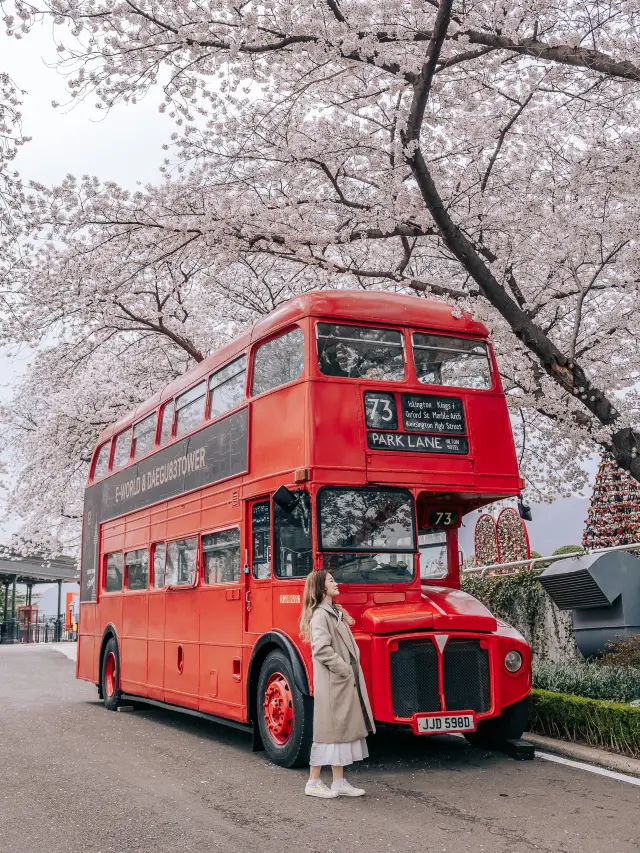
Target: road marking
[[591, 768]]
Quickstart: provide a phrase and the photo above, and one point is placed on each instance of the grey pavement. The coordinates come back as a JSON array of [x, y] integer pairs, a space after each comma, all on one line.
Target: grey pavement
[[74, 777]]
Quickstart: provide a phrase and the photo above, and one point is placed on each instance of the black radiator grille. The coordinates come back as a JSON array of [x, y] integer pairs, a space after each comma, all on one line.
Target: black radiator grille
[[467, 685], [414, 678]]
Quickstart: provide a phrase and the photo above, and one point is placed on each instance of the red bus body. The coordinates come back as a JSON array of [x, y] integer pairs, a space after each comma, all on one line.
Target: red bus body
[[200, 643]]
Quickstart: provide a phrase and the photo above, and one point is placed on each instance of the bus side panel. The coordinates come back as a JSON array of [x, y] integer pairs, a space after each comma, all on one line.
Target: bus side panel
[[135, 612], [221, 614], [155, 644], [277, 431], [135, 625], [181, 647], [337, 429], [489, 429], [156, 603], [87, 666]]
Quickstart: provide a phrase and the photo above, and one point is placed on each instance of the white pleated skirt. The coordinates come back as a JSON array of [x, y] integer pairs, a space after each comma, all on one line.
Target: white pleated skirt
[[338, 754]]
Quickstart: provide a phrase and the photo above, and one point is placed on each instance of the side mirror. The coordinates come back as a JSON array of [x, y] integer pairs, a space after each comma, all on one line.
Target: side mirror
[[524, 511], [285, 498]]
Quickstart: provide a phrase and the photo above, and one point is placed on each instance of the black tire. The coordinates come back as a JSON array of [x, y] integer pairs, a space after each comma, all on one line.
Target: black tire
[[510, 725], [110, 681], [295, 752]]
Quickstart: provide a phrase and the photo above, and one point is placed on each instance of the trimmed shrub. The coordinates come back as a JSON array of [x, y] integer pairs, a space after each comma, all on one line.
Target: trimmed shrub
[[615, 684], [605, 724], [568, 549]]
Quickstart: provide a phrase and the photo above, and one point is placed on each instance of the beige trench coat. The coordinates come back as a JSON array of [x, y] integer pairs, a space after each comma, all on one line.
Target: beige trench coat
[[337, 713]]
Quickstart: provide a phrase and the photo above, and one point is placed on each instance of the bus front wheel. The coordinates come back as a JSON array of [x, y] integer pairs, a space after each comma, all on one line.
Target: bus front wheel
[[510, 725], [284, 714], [110, 676]]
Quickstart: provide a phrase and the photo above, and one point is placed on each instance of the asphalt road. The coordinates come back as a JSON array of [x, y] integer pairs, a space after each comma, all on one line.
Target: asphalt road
[[74, 777]]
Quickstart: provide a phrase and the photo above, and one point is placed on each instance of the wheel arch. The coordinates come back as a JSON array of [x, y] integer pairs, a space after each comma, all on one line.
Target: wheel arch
[[108, 633], [269, 642]]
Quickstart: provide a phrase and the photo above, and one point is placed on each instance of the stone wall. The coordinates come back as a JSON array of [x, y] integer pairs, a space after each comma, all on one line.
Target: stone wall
[[518, 599]]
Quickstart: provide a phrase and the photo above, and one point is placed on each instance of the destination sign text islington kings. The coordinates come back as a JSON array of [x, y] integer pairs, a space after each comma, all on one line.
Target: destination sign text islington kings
[[431, 413]]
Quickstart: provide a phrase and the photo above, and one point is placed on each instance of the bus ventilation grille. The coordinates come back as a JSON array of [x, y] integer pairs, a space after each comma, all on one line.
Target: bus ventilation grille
[[414, 678], [467, 685]]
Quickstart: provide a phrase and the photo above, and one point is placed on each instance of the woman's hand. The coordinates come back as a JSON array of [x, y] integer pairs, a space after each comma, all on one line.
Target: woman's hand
[[348, 618]]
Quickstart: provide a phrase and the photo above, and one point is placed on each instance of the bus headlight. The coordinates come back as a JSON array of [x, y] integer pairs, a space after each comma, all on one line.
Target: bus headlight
[[513, 661]]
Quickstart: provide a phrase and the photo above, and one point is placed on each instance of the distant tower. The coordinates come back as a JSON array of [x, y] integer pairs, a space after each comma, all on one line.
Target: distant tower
[[614, 511]]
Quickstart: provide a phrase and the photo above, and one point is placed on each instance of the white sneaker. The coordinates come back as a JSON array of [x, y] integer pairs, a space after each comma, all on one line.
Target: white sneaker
[[344, 789], [317, 788]]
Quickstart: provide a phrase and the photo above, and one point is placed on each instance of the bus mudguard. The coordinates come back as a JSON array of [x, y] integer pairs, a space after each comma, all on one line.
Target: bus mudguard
[[260, 650]]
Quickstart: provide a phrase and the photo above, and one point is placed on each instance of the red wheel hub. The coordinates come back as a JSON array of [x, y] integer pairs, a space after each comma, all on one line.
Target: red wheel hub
[[110, 674], [278, 708]]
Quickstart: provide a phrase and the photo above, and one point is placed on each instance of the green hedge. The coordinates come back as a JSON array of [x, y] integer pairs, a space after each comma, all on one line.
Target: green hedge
[[589, 679], [604, 724]]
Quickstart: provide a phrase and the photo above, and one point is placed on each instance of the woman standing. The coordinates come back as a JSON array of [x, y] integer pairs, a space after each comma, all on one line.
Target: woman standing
[[342, 715]]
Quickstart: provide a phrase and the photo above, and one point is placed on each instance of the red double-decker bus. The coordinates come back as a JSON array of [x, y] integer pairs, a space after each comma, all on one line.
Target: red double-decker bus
[[349, 430]]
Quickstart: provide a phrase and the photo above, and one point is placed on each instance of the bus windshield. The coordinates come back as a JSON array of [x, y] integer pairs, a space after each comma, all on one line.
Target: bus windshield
[[376, 521]]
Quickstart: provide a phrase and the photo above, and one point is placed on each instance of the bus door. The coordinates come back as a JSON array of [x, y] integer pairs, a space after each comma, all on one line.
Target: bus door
[[258, 599]]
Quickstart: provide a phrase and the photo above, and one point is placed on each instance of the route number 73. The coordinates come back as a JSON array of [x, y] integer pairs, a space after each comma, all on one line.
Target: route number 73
[[387, 413], [443, 518]]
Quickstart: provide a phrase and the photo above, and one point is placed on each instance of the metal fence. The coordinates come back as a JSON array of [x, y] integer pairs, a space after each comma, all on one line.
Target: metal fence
[[50, 631]]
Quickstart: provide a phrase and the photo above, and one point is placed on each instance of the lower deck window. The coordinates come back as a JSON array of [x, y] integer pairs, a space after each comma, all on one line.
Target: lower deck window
[[292, 539], [221, 556], [113, 572], [137, 563], [181, 562], [159, 556], [433, 554]]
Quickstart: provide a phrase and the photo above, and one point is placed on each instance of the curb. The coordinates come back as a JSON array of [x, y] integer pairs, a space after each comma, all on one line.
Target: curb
[[580, 752]]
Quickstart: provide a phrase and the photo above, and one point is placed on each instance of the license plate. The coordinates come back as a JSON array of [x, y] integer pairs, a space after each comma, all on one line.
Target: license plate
[[446, 723]]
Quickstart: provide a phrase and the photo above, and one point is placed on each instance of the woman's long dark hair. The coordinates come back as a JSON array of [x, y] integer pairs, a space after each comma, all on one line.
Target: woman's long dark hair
[[314, 591]]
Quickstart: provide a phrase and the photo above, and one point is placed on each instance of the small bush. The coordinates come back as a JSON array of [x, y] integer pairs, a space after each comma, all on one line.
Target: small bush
[[615, 684], [604, 724], [568, 549], [622, 652]]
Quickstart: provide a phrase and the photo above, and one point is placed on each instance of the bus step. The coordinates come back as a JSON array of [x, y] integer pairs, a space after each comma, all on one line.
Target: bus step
[[518, 749]]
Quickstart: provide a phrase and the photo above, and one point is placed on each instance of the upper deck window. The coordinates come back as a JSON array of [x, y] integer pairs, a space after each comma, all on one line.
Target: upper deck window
[[227, 387], [278, 361], [144, 435], [190, 408], [456, 362], [166, 422], [360, 352], [122, 449], [102, 461]]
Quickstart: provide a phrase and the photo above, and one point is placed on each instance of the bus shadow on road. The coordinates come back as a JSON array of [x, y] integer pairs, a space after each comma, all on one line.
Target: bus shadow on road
[[389, 750]]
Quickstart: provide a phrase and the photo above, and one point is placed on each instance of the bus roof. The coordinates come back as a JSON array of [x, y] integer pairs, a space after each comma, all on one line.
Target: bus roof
[[364, 306]]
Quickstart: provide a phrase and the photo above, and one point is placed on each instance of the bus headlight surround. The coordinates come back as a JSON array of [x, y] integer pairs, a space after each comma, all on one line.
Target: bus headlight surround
[[513, 661]]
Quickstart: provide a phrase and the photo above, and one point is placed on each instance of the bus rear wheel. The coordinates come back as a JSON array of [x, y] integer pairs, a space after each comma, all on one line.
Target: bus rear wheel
[[110, 676], [510, 725], [284, 714]]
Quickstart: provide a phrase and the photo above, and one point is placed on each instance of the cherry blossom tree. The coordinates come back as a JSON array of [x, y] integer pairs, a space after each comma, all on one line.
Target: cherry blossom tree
[[11, 196], [478, 152]]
